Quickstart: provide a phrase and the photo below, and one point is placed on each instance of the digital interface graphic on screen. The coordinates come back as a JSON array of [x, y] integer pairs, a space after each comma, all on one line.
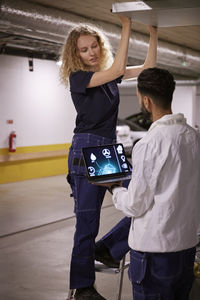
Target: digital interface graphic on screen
[[105, 160]]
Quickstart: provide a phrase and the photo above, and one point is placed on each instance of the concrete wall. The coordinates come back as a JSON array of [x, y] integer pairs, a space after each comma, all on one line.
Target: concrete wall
[[40, 107], [128, 99], [186, 100], [43, 115], [197, 115], [42, 110]]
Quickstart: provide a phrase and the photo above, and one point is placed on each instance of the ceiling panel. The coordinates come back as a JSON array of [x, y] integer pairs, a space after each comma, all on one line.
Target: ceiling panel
[[166, 13]]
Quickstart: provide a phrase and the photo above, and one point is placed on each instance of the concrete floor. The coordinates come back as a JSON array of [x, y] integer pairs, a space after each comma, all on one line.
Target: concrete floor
[[36, 233]]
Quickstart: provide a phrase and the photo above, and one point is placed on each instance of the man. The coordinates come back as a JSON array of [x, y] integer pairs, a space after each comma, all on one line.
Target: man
[[163, 196]]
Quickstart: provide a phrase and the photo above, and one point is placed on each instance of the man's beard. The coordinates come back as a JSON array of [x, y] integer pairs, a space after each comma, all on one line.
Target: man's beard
[[146, 113]]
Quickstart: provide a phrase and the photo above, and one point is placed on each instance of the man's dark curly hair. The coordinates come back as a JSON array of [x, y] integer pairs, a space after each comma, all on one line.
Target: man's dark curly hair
[[157, 84]]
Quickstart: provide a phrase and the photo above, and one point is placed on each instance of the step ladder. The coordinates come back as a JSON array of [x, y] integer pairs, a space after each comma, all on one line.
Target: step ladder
[[99, 267]]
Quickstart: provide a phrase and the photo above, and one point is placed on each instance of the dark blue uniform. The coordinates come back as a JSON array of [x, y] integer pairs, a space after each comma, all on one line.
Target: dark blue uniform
[[97, 110]]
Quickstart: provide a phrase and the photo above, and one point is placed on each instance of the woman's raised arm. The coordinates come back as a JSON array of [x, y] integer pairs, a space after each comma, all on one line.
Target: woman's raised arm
[[151, 57], [119, 65]]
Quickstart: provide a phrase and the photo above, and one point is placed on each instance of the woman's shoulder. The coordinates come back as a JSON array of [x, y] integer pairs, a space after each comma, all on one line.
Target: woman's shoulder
[[79, 80], [80, 75]]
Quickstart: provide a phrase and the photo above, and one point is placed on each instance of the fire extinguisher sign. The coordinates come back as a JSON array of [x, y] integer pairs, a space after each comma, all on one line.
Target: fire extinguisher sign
[[12, 141]]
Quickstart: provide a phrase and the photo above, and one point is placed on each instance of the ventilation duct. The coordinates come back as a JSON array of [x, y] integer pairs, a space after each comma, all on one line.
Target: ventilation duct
[[33, 21]]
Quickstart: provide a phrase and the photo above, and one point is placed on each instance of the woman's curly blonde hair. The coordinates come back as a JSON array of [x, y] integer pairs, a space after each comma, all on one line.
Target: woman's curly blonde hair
[[71, 61]]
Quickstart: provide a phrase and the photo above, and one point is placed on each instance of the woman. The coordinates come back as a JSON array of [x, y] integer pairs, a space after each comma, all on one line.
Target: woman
[[93, 76]]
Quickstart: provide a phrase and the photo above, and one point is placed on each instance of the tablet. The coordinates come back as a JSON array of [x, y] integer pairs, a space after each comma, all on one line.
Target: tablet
[[107, 163]]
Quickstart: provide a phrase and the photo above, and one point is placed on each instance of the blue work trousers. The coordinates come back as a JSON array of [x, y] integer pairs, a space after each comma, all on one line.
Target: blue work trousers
[[162, 276], [88, 200]]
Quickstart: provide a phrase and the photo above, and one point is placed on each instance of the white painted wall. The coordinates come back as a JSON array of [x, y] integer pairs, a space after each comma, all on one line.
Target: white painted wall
[[39, 105], [184, 101], [42, 109], [197, 117], [128, 99]]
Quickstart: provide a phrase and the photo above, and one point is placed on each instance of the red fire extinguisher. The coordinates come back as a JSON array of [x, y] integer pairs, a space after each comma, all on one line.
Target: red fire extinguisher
[[12, 141]]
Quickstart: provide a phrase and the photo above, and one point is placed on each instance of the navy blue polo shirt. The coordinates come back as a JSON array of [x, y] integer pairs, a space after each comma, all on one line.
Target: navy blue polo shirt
[[97, 107]]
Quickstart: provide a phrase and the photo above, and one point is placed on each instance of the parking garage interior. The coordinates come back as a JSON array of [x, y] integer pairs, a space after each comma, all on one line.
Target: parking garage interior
[[36, 211]]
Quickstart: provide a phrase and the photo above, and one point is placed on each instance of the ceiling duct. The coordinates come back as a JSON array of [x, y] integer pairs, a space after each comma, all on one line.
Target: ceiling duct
[[31, 21]]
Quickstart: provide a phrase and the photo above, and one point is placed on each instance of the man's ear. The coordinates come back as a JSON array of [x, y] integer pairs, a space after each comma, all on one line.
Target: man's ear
[[147, 103]]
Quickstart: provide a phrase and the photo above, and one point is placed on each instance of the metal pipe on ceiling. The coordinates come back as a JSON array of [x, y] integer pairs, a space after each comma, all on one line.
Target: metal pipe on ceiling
[[43, 23]]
